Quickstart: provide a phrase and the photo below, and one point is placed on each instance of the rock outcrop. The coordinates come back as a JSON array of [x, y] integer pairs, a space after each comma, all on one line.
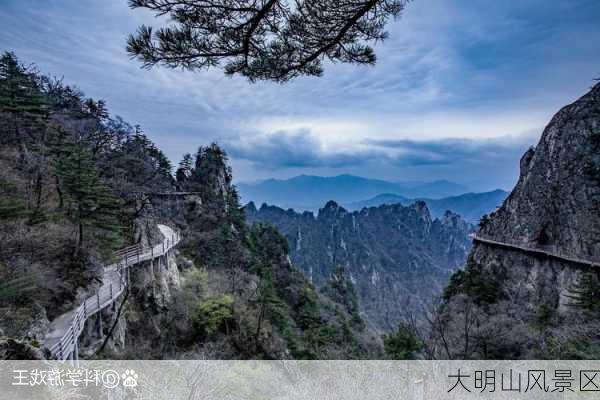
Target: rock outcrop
[[556, 201], [538, 306], [398, 258]]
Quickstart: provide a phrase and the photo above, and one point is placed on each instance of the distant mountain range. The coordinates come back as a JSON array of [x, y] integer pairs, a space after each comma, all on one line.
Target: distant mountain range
[[307, 192], [470, 206]]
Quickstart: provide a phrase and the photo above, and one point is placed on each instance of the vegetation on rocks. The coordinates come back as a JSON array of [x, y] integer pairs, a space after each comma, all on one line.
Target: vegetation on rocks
[[213, 314], [402, 344], [394, 258], [68, 194], [511, 304], [255, 304], [77, 184]]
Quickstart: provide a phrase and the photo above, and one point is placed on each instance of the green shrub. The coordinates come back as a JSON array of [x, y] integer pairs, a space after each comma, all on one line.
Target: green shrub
[[483, 287], [544, 316], [402, 344], [11, 205], [308, 314], [585, 293], [195, 281], [213, 314]]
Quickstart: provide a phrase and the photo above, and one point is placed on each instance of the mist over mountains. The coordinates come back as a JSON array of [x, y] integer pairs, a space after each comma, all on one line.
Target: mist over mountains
[[307, 192], [470, 206], [310, 193]]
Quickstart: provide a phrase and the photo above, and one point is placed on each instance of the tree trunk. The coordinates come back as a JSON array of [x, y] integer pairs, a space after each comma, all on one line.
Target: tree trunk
[[80, 240], [261, 316], [60, 194], [38, 189]]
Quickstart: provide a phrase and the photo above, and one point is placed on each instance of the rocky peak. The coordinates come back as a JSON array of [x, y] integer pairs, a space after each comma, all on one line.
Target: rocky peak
[[453, 220], [422, 211], [527, 295], [396, 256], [556, 201], [250, 207], [331, 210]]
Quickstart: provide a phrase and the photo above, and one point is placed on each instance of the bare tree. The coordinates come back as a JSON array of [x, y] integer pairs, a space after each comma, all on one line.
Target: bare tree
[[274, 40]]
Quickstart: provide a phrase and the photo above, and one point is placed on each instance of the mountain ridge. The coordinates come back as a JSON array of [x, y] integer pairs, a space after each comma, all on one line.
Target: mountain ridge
[[397, 256], [310, 191], [471, 206]]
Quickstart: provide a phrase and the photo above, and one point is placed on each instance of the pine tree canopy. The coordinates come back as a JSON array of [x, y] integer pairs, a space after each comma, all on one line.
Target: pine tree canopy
[[262, 39], [585, 293], [89, 202], [21, 100]]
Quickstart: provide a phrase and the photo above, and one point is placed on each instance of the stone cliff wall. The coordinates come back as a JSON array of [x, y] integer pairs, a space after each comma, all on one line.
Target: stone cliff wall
[[523, 305]]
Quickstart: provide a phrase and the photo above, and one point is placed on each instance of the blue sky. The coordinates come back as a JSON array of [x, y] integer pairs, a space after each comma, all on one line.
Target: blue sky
[[460, 90]]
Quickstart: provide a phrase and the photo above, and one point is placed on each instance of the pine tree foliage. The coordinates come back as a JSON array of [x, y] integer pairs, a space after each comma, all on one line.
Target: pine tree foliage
[[262, 40], [71, 176], [403, 344], [11, 206], [144, 166], [22, 104], [185, 169], [89, 203], [308, 308], [340, 289], [585, 293], [10, 289], [211, 177]]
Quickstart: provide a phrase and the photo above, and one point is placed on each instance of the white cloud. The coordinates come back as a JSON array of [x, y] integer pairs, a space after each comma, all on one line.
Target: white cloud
[[476, 70]]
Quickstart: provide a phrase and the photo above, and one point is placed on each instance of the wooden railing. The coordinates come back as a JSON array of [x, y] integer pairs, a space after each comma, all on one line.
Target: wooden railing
[[114, 283]]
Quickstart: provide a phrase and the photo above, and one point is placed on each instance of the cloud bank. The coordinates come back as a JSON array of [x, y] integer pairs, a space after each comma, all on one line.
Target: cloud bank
[[460, 89]]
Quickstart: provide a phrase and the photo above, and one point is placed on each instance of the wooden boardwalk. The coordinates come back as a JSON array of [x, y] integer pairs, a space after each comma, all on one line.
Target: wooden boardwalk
[[538, 251], [62, 340], [171, 194]]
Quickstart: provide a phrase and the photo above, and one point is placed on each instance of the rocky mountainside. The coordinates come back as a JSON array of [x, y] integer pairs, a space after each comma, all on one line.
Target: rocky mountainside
[[538, 306], [397, 257], [77, 184]]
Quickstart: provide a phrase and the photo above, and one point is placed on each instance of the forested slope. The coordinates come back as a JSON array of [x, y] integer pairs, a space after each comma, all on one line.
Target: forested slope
[[77, 184]]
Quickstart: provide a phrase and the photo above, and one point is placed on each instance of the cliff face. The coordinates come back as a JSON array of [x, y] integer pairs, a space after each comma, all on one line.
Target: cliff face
[[398, 258], [556, 201], [537, 306]]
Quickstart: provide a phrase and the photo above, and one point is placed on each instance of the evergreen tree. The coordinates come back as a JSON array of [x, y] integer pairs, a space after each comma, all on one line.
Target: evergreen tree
[[402, 344], [144, 156], [211, 175], [89, 203], [268, 303], [185, 169], [96, 109], [586, 292], [23, 107], [11, 206], [270, 39], [308, 308], [340, 289]]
